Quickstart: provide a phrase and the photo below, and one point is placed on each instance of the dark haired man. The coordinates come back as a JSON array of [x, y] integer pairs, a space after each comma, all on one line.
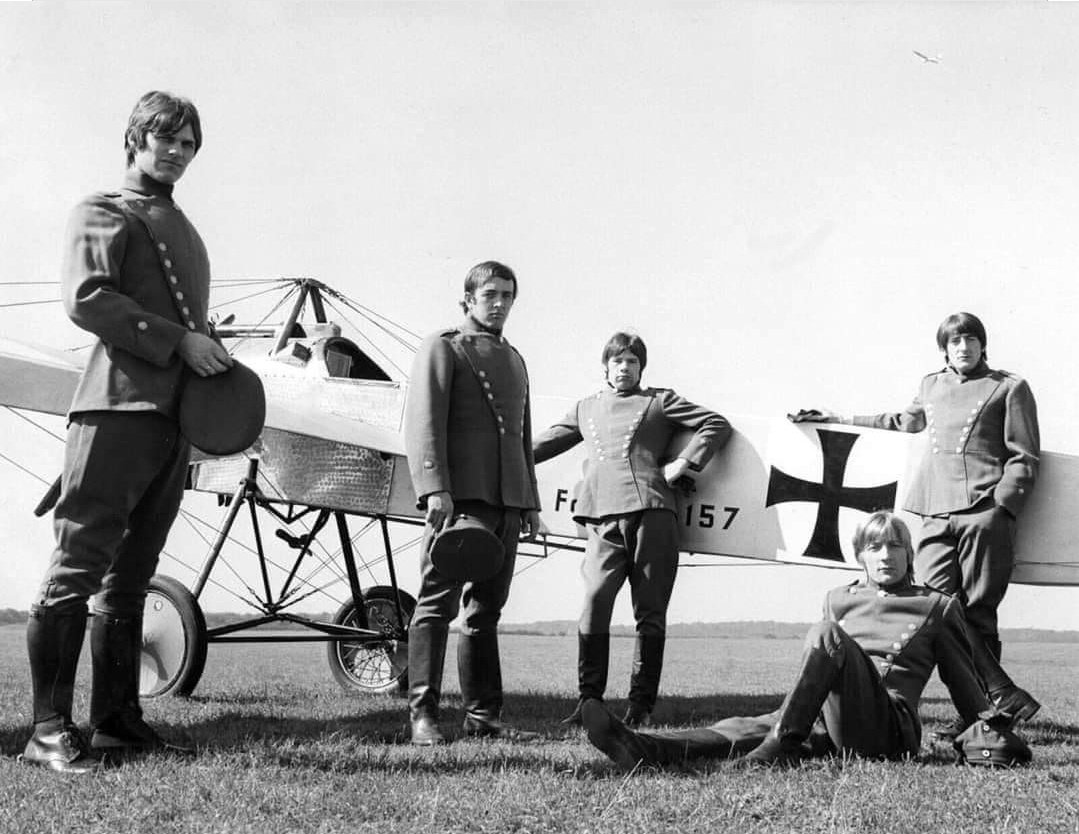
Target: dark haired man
[[978, 470], [136, 275], [627, 503], [468, 438], [863, 669]]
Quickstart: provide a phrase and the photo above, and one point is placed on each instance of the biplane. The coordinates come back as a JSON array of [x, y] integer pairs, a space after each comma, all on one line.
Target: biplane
[[330, 461]]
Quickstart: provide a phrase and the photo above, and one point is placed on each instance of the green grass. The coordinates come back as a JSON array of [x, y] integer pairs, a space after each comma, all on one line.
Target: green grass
[[283, 749]]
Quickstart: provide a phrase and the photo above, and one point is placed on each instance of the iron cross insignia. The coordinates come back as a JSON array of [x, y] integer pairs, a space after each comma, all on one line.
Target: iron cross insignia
[[830, 494]]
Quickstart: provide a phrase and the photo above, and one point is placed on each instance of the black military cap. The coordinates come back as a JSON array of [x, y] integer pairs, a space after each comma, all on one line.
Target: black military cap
[[466, 550], [223, 414]]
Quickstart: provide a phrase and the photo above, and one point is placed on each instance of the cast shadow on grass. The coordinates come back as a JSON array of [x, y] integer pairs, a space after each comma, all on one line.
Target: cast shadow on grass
[[533, 712], [1041, 729]]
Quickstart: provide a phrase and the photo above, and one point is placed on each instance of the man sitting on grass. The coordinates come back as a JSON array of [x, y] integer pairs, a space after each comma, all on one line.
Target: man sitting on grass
[[864, 667]]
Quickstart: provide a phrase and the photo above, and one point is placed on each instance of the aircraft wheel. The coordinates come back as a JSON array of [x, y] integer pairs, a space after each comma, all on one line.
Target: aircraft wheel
[[373, 664], [173, 640]]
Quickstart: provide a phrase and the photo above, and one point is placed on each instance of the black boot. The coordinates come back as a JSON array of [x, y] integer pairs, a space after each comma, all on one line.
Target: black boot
[[631, 750], [593, 658], [644, 680], [426, 657], [1003, 693], [480, 671], [115, 713], [787, 743], [53, 643]]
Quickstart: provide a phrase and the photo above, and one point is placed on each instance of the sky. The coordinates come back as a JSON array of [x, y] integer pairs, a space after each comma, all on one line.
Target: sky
[[781, 198]]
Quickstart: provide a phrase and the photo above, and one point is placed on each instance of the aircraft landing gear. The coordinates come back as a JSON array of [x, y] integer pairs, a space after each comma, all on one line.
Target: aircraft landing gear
[[173, 640], [373, 665], [366, 645]]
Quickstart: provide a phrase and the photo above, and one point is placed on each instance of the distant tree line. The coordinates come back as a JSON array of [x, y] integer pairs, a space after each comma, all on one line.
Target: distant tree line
[[761, 629], [764, 629], [9, 616]]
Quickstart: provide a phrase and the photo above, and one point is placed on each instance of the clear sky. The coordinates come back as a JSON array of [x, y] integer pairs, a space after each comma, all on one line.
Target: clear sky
[[782, 198]]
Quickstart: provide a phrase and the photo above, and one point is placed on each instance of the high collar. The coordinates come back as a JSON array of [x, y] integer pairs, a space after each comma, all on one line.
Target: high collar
[[470, 325], [903, 585], [136, 180], [614, 392], [980, 370]]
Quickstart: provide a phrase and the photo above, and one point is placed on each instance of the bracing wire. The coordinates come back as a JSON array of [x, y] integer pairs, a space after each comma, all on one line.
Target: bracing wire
[[23, 469], [30, 303], [374, 347], [39, 427], [33, 423], [372, 315], [391, 329], [30, 284], [258, 294]]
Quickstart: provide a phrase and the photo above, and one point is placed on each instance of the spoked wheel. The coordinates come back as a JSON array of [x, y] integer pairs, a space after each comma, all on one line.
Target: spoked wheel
[[173, 640], [373, 664]]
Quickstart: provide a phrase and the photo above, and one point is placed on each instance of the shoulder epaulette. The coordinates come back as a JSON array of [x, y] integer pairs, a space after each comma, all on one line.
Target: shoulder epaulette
[[511, 347], [113, 198]]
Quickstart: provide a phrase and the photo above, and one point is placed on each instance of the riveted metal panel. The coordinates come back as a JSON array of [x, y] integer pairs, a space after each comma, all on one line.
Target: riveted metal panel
[[298, 469]]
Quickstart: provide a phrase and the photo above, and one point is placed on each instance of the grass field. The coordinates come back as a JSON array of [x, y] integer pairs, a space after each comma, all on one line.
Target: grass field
[[283, 749]]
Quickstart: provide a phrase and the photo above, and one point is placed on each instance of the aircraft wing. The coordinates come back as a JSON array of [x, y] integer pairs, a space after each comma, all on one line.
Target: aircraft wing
[[44, 379], [38, 378]]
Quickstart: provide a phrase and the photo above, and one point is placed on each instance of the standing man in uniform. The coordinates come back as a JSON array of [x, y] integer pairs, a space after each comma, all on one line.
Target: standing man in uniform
[[627, 503], [863, 670], [136, 275], [978, 470], [468, 438]]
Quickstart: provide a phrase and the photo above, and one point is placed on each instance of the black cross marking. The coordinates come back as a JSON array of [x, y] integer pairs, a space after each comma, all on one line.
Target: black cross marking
[[830, 494]]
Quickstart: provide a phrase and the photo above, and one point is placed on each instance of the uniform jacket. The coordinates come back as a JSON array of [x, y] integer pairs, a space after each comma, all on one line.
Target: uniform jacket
[[628, 438], [983, 440], [137, 276], [468, 420], [907, 633]]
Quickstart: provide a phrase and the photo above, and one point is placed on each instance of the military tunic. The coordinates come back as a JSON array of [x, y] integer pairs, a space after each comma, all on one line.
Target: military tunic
[[624, 500], [978, 469], [881, 647], [137, 276], [468, 432], [906, 634]]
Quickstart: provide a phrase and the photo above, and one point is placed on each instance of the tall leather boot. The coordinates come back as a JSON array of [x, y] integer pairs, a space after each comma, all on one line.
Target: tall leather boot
[[426, 657], [115, 712], [632, 750], [787, 743], [480, 671], [644, 680], [1003, 693], [53, 643], [593, 659]]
